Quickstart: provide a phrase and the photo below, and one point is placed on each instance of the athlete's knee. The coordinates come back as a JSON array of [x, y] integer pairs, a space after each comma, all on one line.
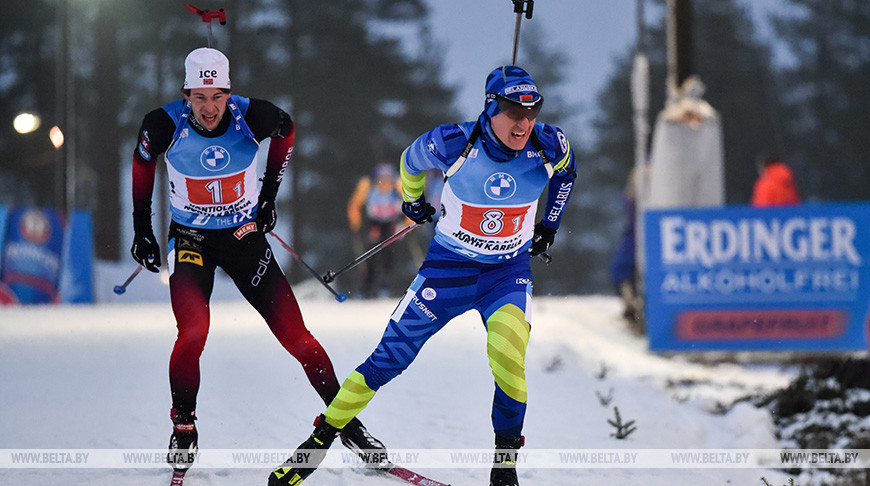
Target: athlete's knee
[[507, 339], [191, 336]]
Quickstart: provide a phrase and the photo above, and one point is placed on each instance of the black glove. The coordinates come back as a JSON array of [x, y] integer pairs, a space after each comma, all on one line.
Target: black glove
[[146, 251], [418, 211], [542, 240], [266, 217]]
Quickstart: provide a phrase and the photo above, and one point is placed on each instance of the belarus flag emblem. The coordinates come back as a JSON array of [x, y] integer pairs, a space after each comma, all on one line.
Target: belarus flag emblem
[[526, 98]]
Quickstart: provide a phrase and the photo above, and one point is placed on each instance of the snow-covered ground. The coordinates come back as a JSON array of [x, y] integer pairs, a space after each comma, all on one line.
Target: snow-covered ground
[[94, 378]]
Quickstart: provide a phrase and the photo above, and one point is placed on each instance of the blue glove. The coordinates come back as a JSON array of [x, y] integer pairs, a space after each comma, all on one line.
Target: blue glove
[[146, 251], [543, 239], [418, 211], [266, 217]]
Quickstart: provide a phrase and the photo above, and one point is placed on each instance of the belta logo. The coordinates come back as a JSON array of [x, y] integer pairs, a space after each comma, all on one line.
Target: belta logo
[[215, 158]]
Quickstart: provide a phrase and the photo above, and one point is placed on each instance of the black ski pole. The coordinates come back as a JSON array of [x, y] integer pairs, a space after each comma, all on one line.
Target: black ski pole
[[339, 296], [330, 275], [120, 289], [525, 7], [520, 7]]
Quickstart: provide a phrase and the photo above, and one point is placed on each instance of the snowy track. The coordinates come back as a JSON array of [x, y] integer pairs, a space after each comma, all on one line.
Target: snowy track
[[95, 377]]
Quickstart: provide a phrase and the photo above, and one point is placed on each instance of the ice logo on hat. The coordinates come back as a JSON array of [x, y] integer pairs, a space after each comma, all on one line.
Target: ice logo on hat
[[500, 185], [215, 158], [206, 68]]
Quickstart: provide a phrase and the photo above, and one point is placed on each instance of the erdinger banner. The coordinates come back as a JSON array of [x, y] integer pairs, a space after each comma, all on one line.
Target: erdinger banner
[[743, 278]]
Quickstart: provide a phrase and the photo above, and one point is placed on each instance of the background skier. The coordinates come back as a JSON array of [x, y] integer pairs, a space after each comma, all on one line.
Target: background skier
[[380, 195]]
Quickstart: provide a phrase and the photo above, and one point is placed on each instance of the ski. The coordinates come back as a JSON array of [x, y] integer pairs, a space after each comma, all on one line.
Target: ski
[[398, 472], [375, 460], [177, 478], [410, 476]]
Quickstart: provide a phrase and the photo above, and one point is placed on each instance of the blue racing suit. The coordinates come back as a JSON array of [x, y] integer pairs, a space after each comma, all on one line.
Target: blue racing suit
[[478, 258]]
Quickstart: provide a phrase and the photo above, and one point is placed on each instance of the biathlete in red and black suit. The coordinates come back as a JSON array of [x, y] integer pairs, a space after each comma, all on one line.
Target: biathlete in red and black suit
[[209, 141]]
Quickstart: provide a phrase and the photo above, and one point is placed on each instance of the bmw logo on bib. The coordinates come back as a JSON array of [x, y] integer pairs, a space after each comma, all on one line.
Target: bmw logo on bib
[[500, 185], [215, 158]]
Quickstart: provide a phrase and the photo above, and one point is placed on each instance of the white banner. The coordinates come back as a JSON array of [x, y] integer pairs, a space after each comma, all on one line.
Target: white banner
[[449, 458]]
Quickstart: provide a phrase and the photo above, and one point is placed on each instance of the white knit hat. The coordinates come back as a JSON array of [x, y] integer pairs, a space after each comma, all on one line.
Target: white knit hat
[[206, 68]]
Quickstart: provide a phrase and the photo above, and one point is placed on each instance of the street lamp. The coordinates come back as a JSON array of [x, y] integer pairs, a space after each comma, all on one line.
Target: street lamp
[[56, 136], [25, 123]]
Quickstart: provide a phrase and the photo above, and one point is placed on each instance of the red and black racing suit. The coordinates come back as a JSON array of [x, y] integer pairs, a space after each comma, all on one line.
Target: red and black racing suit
[[243, 253]]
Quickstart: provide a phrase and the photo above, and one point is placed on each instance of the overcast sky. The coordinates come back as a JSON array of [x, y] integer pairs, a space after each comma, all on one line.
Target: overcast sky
[[477, 36]]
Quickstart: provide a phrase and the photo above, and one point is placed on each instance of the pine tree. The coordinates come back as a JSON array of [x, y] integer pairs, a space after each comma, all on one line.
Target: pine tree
[[361, 79], [28, 170], [827, 87]]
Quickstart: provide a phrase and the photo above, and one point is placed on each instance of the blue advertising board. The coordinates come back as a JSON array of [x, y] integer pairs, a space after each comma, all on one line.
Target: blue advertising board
[[741, 278], [7, 296], [32, 254], [45, 258], [77, 273]]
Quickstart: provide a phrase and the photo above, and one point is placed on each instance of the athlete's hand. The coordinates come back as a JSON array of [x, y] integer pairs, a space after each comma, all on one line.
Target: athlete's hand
[[266, 217], [418, 211], [542, 240], [146, 251]]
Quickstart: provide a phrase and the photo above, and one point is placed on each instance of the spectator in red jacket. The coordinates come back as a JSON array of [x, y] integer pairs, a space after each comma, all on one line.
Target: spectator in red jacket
[[775, 185]]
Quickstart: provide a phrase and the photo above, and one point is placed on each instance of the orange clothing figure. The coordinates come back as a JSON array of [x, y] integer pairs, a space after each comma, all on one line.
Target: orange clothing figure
[[775, 185]]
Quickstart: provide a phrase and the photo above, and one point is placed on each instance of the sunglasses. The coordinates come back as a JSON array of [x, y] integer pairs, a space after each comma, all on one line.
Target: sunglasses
[[517, 111]]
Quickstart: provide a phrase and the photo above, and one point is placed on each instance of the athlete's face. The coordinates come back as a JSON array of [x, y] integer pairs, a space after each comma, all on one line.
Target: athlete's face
[[513, 133], [208, 106], [386, 184]]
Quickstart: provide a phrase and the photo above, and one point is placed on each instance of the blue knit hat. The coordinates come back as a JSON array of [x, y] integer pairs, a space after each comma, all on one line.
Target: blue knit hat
[[513, 83]]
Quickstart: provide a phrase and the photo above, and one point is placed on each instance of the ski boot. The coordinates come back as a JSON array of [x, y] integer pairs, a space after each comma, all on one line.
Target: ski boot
[[307, 457], [355, 437], [504, 466], [183, 443]]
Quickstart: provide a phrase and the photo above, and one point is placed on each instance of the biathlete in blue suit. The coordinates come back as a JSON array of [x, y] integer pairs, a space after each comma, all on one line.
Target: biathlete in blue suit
[[496, 169]]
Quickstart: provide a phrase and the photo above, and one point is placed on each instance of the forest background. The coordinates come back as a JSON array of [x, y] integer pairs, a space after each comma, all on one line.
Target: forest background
[[363, 78]]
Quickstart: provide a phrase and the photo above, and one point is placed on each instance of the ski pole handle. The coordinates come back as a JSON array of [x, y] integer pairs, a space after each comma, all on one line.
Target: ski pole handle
[[339, 296], [545, 257], [207, 16], [120, 289]]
